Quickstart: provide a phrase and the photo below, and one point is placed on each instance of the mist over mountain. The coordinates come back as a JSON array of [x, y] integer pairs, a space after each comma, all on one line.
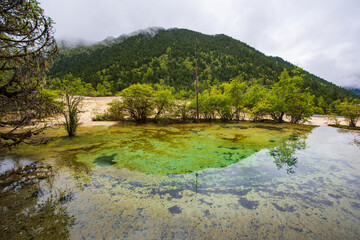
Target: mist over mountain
[[354, 90], [156, 55]]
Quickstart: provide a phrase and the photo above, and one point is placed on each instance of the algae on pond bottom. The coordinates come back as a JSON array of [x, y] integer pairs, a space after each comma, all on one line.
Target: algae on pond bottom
[[77, 192], [171, 149]]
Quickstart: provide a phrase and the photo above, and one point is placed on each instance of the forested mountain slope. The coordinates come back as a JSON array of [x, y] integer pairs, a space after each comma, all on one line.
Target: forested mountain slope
[[354, 90], [167, 57]]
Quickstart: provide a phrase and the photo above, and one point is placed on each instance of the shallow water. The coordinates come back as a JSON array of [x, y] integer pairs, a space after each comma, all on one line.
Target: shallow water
[[209, 181]]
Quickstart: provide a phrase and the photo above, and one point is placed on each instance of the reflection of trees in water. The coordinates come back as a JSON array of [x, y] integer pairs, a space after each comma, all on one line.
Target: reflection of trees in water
[[356, 135], [29, 206], [284, 153], [81, 171], [357, 141]]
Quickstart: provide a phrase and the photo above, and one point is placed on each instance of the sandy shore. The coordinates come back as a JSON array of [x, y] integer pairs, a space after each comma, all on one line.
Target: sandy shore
[[90, 107], [95, 105]]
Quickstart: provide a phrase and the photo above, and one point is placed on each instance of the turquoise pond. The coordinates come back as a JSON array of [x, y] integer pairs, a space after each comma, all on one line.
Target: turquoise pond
[[207, 181]]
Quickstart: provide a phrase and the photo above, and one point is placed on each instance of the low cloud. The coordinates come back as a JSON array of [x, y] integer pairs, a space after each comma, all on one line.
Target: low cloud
[[320, 36]]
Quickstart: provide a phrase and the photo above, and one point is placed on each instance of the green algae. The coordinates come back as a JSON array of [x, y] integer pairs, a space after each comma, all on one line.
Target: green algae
[[171, 149], [250, 199]]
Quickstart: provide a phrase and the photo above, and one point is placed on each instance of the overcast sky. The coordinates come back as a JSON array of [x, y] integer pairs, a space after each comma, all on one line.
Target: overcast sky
[[321, 36]]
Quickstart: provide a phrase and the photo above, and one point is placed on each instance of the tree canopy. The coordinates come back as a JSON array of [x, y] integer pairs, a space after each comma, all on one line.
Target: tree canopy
[[26, 48], [234, 100], [167, 58]]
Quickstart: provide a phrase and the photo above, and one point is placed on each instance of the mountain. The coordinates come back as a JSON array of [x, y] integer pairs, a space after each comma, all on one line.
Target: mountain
[[354, 90], [164, 56]]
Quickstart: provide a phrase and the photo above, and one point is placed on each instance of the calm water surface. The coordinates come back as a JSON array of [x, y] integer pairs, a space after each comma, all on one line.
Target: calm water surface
[[210, 181]]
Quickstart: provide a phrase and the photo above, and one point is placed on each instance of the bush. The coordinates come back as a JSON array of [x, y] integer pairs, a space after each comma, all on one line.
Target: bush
[[138, 101], [115, 112], [351, 111], [71, 113], [332, 119]]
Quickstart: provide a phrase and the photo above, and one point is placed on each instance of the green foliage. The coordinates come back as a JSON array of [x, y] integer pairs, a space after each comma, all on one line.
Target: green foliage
[[351, 111], [27, 45], [286, 97], [168, 59], [332, 118], [71, 113], [321, 106], [74, 85], [235, 90], [255, 101], [279, 95], [301, 107], [334, 107], [182, 104], [141, 101], [284, 154], [69, 84], [213, 103], [103, 89], [71, 88], [164, 99], [138, 101], [115, 112]]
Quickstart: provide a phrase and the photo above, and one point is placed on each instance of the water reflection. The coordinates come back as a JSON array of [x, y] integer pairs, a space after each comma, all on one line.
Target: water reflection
[[357, 141], [79, 170], [284, 154], [84, 195], [355, 136], [29, 207]]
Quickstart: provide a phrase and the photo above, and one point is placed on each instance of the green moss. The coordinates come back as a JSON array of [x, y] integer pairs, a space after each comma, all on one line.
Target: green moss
[[172, 149]]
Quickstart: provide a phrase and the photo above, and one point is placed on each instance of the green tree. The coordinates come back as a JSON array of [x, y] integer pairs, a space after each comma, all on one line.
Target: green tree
[[182, 104], [351, 111], [89, 90], [213, 103], [220, 103], [301, 107], [138, 101], [322, 107], [71, 113], [286, 97], [104, 89], [68, 83], [256, 103], [163, 100], [281, 92], [205, 107], [146, 60], [26, 49], [72, 89], [236, 90]]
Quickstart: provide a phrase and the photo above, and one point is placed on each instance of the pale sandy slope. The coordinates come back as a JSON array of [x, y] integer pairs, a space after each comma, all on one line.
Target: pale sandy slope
[[89, 107], [93, 105]]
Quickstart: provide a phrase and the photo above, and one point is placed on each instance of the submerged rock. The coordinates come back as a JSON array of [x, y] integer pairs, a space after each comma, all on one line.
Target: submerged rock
[[105, 161]]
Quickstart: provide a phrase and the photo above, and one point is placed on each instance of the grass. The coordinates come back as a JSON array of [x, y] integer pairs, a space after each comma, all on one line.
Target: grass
[[345, 127]]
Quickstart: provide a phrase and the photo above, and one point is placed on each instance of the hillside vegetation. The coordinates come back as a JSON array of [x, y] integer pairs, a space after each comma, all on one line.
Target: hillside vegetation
[[168, 58]]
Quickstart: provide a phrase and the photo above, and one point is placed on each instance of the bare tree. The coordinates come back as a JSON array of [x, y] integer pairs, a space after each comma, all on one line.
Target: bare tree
[[197, 88], [71, 113]]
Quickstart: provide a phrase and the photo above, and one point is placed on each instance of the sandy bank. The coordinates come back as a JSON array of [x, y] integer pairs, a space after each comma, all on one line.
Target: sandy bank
[[95, 105]]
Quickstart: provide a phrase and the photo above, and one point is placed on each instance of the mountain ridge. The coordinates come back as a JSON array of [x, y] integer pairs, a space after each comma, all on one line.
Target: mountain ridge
[[167, 56]]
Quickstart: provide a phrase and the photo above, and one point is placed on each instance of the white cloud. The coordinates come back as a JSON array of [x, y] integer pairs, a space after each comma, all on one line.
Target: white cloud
[[320, 36]]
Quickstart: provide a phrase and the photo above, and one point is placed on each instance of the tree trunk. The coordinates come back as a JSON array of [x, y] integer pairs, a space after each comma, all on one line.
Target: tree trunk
[[197, 88]]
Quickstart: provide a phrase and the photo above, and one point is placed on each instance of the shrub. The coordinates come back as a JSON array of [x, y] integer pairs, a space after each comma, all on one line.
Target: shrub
[[351, 111], [138, 101], [71, 113]]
